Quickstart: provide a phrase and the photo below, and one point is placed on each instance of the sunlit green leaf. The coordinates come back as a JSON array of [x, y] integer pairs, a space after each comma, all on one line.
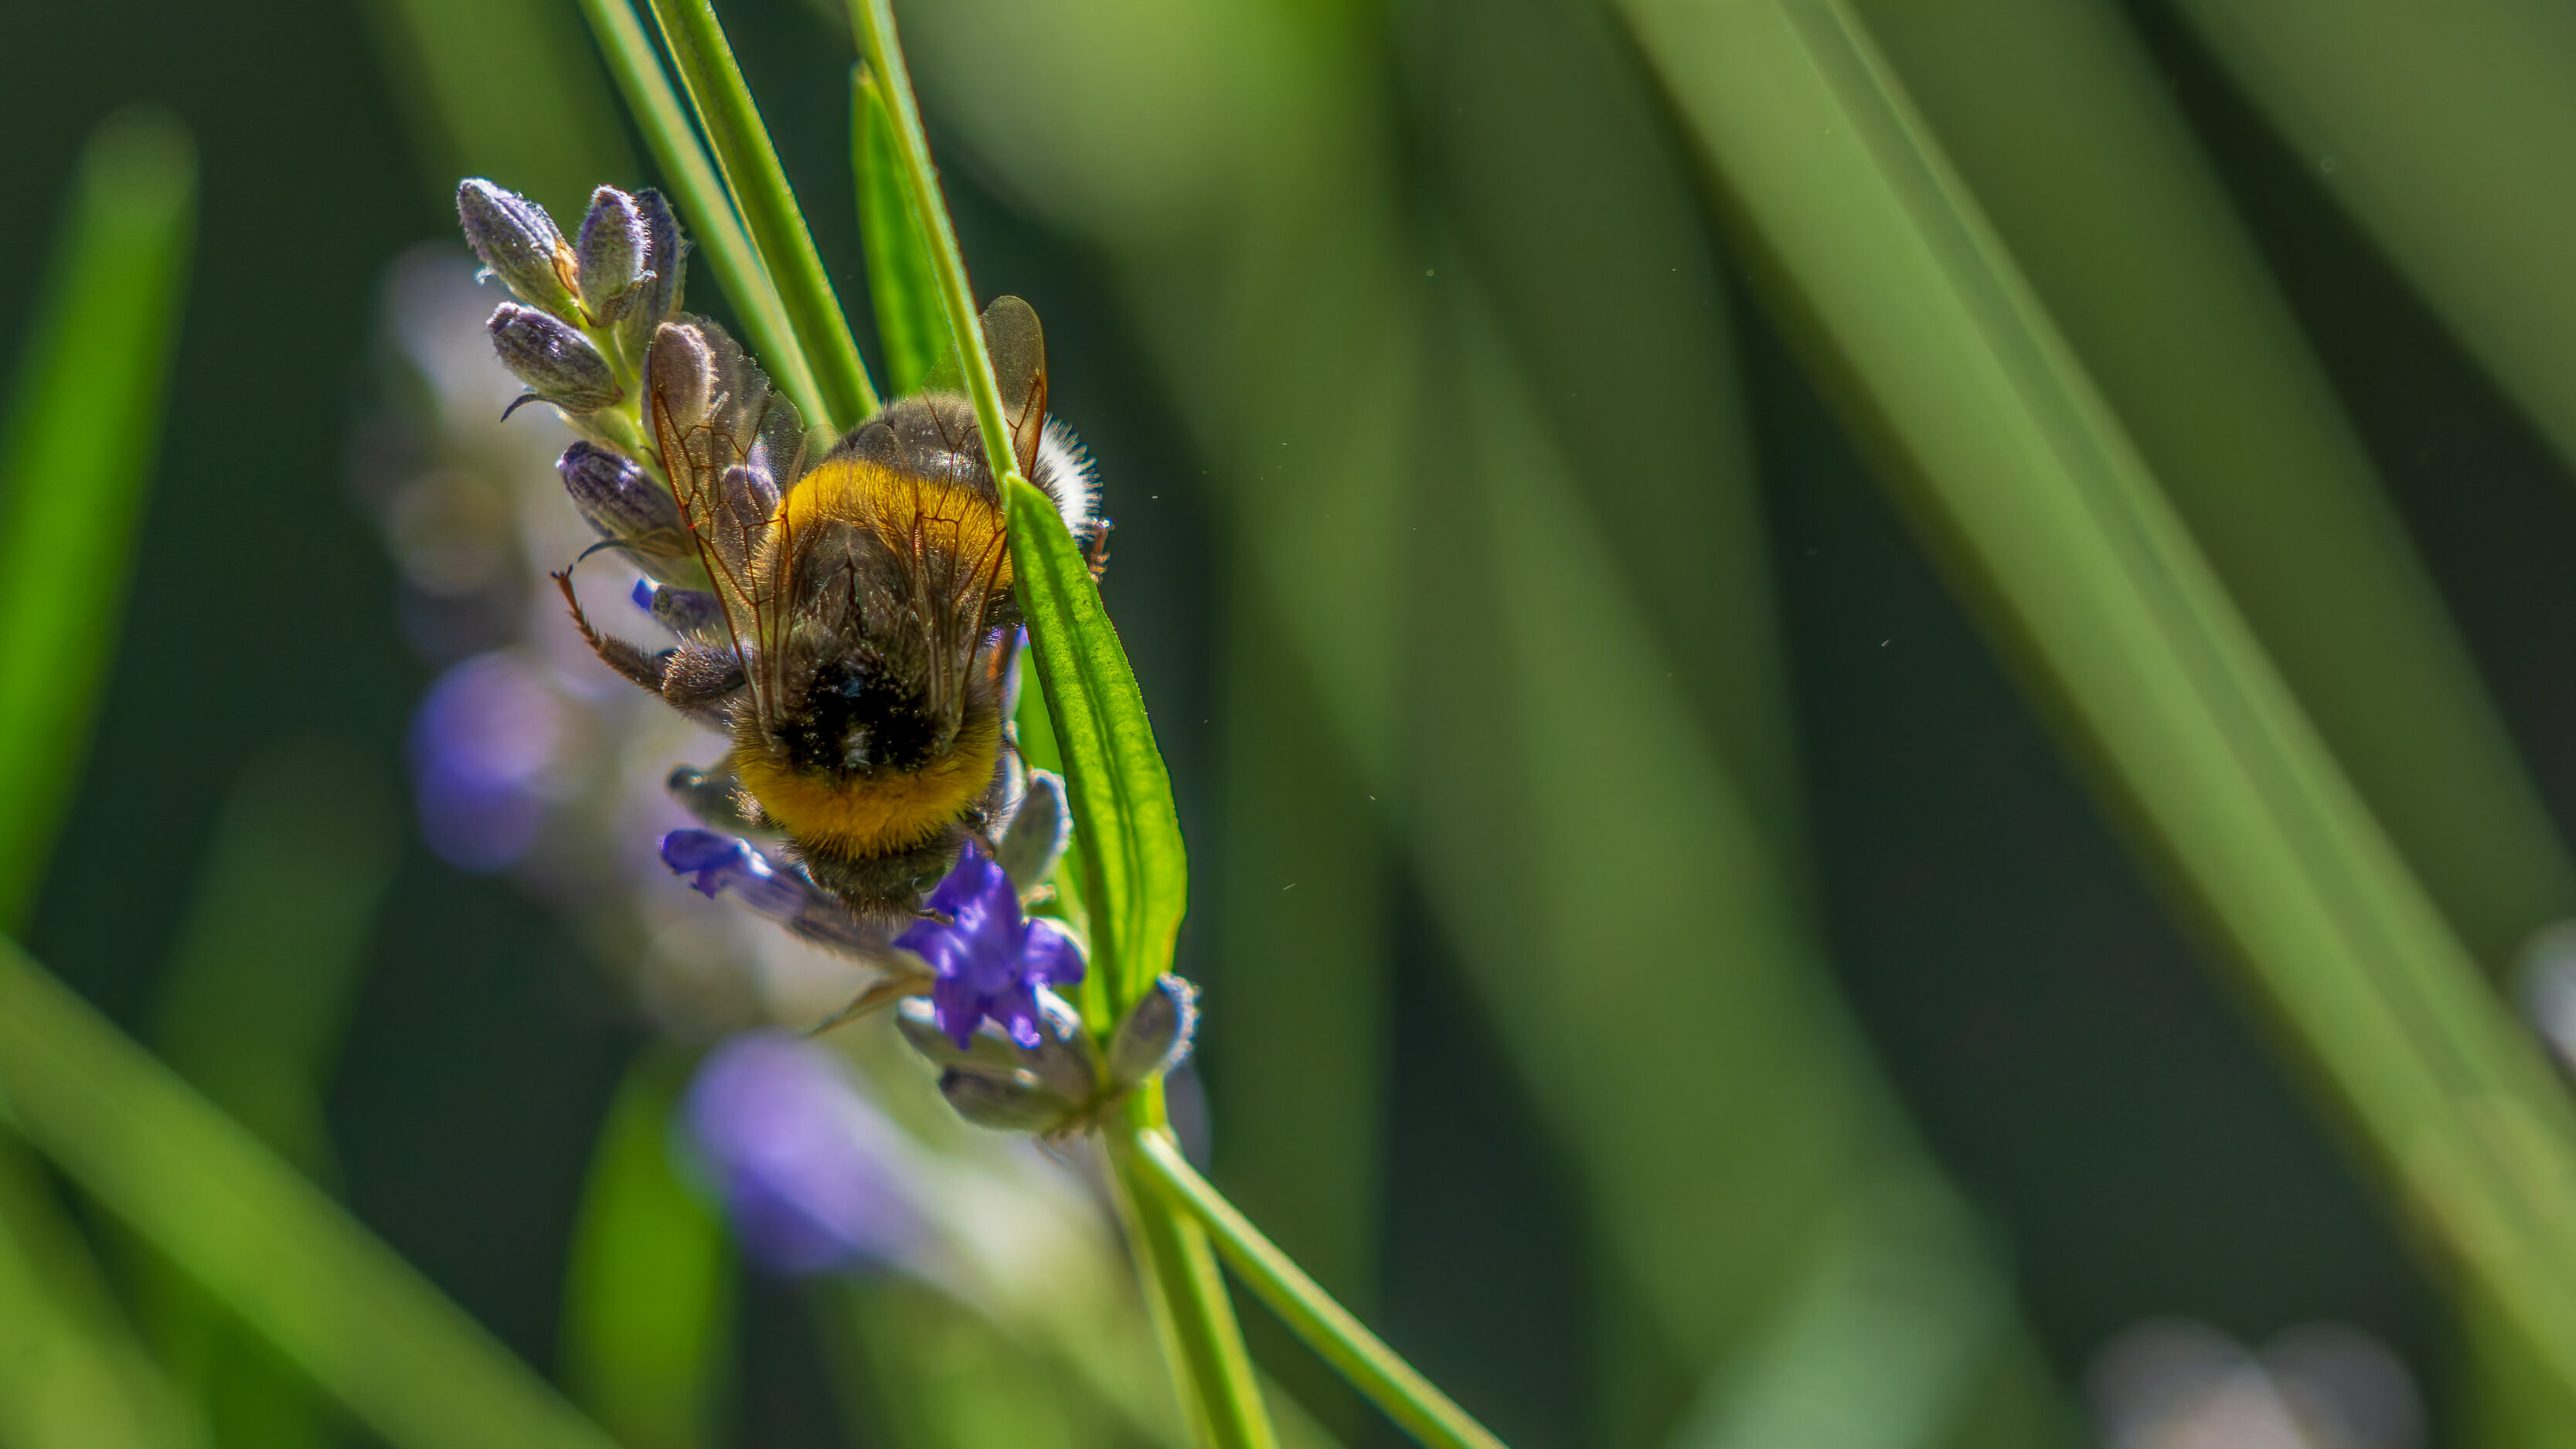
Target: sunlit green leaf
[[1135, 875]]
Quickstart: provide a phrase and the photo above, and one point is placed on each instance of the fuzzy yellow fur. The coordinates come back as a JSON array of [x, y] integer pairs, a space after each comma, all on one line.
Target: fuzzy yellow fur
[[873, 815]]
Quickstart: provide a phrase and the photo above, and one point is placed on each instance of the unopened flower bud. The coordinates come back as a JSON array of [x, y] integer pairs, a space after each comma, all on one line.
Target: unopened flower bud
[[665, 253], [1028, 849], [1156, 1034], [679, 374], [614, 492], [556, 362], [519, 243], [611, 254], [1012, 1103]]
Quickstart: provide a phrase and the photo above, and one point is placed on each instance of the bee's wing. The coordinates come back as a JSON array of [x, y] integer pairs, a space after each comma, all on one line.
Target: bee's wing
[[1017, 345], [730, 446]]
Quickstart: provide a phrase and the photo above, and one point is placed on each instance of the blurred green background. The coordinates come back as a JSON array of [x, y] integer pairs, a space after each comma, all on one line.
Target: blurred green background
[[1662, 969]]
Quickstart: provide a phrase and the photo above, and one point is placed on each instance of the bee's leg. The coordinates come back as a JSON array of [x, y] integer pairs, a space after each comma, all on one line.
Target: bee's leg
[[700, 677], [627, 659]]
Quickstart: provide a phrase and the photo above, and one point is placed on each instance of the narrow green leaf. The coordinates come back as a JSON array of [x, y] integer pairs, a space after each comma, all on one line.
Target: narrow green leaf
[[873, 21], [701, 199], [1404, 1395], [297, 1268], [901, 283], [760, 192], [648, 1300], [82, 429], [1136, 875], [2055, 524]]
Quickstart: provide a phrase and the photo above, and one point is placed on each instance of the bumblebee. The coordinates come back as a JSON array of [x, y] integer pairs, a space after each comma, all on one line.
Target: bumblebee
[[860, 651]]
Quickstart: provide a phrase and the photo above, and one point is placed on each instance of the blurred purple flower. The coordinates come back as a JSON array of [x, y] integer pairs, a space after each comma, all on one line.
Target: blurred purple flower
[[989, 960], [812, 1176], [481, 743], [715, 863]]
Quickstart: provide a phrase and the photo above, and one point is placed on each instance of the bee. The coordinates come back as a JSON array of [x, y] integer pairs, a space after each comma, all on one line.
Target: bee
[[860, 654]]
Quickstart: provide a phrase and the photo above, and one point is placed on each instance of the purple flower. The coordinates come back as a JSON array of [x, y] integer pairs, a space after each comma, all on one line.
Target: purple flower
[[812, 1175], [716, 863], [988, 958]]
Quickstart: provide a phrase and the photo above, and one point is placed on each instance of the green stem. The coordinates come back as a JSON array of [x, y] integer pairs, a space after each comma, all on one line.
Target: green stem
[[701, 196], [1376, 1370], [1192, 1314], [769, 212], [874, 22]]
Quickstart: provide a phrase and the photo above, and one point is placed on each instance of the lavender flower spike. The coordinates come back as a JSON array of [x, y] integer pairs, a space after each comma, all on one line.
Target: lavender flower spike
[[989, 961]]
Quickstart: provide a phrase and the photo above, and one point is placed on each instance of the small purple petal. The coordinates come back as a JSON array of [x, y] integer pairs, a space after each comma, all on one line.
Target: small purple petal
[[711, 861], [1016, 1009], [956, 1008], [1053, 957]]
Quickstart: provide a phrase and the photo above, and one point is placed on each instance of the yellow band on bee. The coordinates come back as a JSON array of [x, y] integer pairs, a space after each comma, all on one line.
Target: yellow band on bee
[[904, 510], [876, 815]]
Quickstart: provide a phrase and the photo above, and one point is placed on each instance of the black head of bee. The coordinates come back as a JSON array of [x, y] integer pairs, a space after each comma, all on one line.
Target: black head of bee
[[856, 716]]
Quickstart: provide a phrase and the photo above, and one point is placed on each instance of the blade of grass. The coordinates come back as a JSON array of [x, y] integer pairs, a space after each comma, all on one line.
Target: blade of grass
[[82, 428], [901, 285], [365, 1325], [701, 198], [2055, 524], [2079, 153], [1374, 1369], [760, 192]]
